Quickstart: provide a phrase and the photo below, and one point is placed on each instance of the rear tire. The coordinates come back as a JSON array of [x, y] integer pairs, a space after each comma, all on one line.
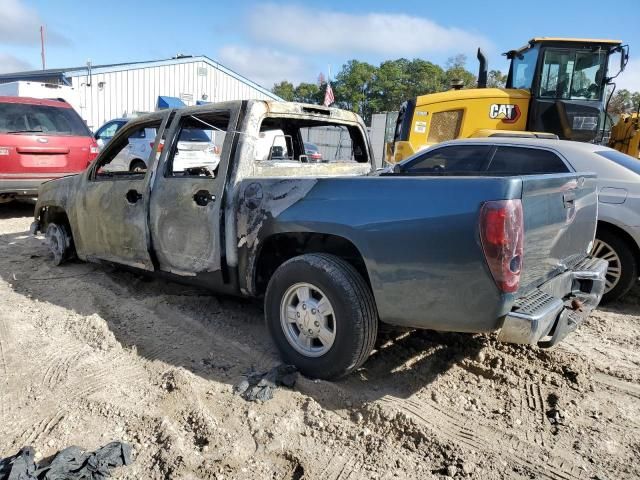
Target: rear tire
[[351, 327], [622, 273], [138, 166], [60, 243]]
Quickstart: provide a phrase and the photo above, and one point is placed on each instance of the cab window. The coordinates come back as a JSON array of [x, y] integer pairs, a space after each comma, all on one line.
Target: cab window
[[123, 158], [198, 145], [569, 74], [309, 141], [525, 161], [523, 68]]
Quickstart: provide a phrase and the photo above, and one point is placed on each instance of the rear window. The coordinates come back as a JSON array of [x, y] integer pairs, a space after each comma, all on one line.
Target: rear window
[[194, 135], [525, 161], [623, 159], [23, 118]]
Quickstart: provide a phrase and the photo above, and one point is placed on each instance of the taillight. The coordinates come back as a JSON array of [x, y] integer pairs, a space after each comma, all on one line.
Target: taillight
[[502, 237], [160, 145], [94, 149]]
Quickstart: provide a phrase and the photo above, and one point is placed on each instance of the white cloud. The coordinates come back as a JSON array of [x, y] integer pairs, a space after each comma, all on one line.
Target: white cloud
[[264, 66], [10, 64], [630, 78], [318, 31], [20, 25]]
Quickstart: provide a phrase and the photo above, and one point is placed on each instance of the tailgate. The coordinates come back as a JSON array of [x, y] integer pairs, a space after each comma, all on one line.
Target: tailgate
[[39, 154], [560, 215]]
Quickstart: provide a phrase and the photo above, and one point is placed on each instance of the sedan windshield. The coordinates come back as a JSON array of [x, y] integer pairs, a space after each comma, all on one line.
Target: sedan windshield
[[622, 159]]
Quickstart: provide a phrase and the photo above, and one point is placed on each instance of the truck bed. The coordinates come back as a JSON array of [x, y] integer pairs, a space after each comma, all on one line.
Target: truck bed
[[419, 237]]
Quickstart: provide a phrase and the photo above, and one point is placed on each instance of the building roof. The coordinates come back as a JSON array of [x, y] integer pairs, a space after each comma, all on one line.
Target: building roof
[[63, 73]]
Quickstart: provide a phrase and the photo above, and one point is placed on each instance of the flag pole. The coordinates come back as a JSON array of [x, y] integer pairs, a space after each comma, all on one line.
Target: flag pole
[[42, 46]]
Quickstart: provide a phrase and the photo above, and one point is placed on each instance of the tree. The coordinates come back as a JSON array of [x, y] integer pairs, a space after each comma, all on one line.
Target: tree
[[456, 71], [353, 87], [496, 79], [308, 93], [284, 90], [367, 89], [624, 101]]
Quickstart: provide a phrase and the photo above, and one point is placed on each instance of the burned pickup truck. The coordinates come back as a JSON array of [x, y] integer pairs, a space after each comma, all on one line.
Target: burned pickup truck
[[333, 248]]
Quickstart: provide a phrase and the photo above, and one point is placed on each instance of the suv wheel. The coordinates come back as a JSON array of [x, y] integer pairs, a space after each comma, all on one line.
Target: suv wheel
[[58, 239], [321, 315], [623, 268]]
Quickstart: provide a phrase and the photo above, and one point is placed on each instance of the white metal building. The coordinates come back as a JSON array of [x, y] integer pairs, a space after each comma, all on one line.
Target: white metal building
[[110, 91]]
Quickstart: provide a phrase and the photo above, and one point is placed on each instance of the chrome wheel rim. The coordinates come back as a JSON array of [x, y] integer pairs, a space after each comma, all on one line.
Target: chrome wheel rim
[[308, 320], [614, 272]]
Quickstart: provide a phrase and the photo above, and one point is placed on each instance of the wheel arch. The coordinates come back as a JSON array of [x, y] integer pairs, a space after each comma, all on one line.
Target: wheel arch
[[53, 214], [134, 160], [612, 227], [280, 247]]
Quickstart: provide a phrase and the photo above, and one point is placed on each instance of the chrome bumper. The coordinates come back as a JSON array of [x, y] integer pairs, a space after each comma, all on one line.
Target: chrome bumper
[[556, 308]]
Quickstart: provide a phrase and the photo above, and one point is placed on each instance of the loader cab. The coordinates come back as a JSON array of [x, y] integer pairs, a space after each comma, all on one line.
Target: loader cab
[[567, 79]]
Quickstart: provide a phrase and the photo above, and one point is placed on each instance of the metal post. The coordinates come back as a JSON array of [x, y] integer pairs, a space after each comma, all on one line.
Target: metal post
[[42, 46]]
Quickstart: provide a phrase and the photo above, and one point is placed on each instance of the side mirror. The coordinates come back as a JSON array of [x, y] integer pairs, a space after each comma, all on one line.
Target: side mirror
[[397, 168], [624, 57]]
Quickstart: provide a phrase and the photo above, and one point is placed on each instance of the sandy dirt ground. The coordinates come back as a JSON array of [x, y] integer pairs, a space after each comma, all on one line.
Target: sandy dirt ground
[[91, 354]]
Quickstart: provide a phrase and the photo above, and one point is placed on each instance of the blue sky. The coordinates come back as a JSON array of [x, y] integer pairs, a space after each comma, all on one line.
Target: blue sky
[[268, 41]]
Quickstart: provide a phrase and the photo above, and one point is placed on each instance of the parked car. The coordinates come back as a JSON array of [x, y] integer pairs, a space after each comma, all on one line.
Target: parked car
[[196, 148], [618, 234], [455, 253], [313, 152], [40, 140]]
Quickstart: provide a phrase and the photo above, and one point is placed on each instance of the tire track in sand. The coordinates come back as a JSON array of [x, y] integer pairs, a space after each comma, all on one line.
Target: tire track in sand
[[460, 430]]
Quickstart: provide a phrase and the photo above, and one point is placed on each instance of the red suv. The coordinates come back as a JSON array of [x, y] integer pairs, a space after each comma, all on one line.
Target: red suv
[[40, 140]]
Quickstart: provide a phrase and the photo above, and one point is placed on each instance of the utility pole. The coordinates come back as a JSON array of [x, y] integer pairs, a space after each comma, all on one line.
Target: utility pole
[[42, 46]]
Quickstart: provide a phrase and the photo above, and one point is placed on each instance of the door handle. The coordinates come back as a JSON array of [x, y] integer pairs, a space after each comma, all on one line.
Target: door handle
[[133, 196], [569, 199], [203, 198]]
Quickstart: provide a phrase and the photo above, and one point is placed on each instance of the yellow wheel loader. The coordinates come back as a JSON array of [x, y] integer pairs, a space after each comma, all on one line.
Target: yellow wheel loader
[[625, 135], [555, 87]]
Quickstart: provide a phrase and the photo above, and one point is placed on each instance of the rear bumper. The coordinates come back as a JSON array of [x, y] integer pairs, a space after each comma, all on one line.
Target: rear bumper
[[22, 186], [556, 308]]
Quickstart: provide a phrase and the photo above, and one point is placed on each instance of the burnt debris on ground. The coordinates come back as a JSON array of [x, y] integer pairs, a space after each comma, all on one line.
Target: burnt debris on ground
[[72, 463], [260, 386]]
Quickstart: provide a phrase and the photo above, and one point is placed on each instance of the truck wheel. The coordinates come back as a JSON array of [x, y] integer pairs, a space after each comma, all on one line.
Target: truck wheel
[[321, 315], [59, 241], [623, 268]]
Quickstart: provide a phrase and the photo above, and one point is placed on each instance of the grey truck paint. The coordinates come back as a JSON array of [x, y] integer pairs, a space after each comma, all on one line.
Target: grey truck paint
[[414, 239]]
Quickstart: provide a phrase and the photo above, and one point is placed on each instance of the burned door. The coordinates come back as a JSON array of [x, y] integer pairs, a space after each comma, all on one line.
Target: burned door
[[186, 198], [114, 200]]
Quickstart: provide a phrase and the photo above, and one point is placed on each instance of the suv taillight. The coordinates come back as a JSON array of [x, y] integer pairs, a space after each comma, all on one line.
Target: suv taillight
[[94, 150], [502, 237]]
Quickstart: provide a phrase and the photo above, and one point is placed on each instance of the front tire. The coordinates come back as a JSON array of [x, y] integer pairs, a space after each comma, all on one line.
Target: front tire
[[622, 272], [321, 315], [58, 239]]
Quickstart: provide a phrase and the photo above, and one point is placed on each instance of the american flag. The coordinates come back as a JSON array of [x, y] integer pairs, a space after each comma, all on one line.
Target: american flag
[[328, 96]]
